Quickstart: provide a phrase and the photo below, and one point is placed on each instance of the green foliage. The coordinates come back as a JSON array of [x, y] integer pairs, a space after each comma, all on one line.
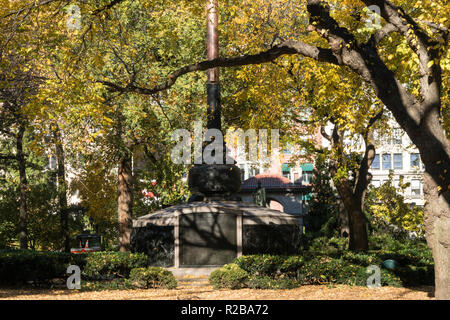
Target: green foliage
[[388, 210], [20, 266], [323, 211], [260, 264], [329, 262], [7, 233], [291, 264], [107, 265], [152, 277], [230, 276], [327, 246]]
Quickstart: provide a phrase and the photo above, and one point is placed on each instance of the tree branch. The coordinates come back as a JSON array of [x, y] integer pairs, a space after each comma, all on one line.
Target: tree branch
[[380, 34], [423, 45], [288, 47]]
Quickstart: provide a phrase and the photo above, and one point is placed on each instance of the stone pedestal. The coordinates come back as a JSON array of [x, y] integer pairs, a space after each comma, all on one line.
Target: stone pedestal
[[211, 234]]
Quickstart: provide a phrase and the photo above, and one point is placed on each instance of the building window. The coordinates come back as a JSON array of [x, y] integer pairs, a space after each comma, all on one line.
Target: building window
[[415, 160], [307, 177], [397, 136], [398, 161], [253, 172], [242, 167], [415, 187], [286, 170], [387, 161], [52, 162], [376, 162]]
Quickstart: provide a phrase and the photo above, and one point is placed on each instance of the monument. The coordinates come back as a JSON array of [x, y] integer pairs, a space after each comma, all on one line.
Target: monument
[[214, 227]]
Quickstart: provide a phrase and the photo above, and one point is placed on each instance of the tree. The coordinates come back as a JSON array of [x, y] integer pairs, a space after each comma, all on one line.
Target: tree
[[322, 215], [15, 92]]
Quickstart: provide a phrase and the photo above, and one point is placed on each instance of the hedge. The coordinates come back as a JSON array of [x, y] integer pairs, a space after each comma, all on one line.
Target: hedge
[[109, 265], [415, 267], [22, 266], [18, 267], [152, 277], [229, 276]]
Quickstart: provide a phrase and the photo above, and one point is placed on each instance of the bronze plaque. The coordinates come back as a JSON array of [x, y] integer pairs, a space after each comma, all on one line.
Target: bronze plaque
[[207, 239]]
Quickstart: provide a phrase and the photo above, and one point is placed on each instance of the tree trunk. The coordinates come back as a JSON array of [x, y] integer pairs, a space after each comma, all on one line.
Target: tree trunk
[[437, 229], [358, 239], [435, 151], [62, 191], [125, 202], [344, 226], [23, 185]]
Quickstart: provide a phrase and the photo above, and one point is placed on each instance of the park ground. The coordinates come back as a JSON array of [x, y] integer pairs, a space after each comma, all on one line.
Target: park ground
[[202, 291]]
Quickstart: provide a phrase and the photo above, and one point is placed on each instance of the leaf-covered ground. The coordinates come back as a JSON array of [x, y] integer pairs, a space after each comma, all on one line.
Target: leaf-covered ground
[[193, 291]]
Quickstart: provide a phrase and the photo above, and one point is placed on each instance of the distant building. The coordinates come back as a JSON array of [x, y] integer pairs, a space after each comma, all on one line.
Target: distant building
[[287, 178], [394, 152]]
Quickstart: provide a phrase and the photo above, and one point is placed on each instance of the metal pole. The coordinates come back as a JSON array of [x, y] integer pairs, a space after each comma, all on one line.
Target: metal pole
[[212, 48]]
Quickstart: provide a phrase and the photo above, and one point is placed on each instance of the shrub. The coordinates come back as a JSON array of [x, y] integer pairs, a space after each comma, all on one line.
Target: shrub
[[229, 276], [152, 277], [361, 258], [263, 265], [21, 266], [291, 265], [326, 270], [319, 270], [108, 265], [325, 246]]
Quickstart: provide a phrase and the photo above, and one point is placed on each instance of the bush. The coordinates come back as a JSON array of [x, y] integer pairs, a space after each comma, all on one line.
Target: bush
[[361, 258], [152, 277], [21, 266], [108, 265], [229, 276], [263, 265], [326, 246], [327, 261], [325, 270], [291, 265]]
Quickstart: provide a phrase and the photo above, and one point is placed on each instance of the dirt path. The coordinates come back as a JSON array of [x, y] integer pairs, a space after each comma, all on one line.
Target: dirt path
[[200, 291]]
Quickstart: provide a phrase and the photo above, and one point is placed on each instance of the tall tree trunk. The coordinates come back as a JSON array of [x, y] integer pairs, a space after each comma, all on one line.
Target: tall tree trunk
[[437, 230], [62, 191], [435, 151], [125, 205], [358, 231], [358, 239], [353, 197], [344, 225], [23, 185]]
